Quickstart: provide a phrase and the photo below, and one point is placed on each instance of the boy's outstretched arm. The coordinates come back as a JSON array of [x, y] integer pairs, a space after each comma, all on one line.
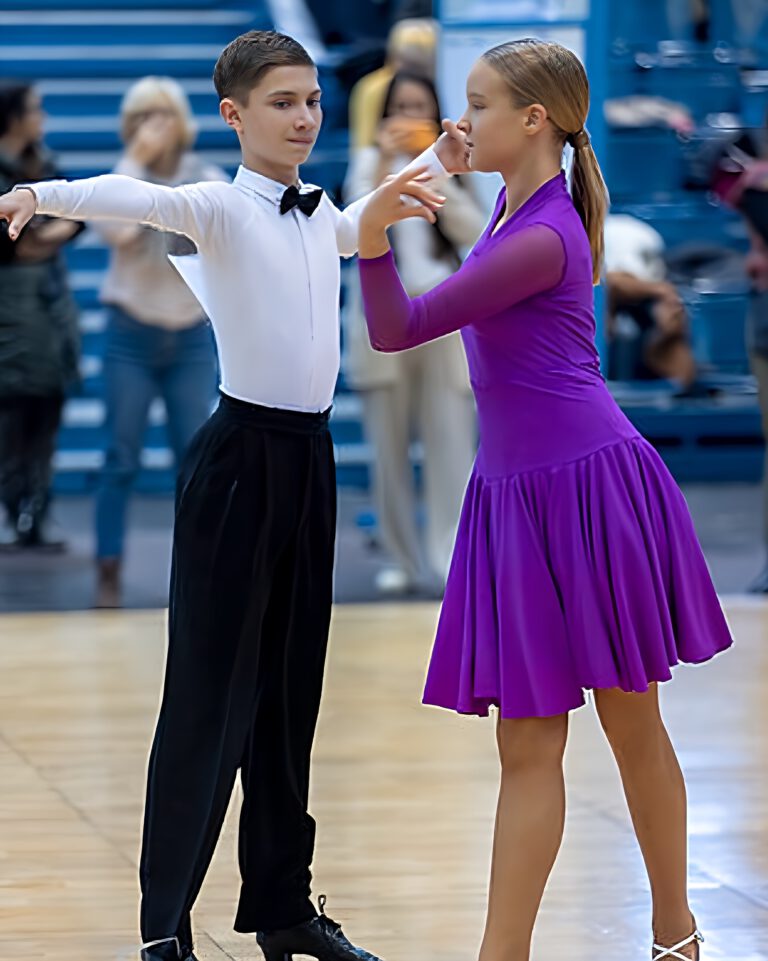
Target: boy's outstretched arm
[[185, 210]]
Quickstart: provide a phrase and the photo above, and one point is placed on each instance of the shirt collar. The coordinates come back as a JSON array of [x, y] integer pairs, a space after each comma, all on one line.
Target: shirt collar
[[255, 183]]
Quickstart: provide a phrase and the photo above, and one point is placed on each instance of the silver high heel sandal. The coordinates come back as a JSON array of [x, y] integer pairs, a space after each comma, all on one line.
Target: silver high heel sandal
[[660, 952]]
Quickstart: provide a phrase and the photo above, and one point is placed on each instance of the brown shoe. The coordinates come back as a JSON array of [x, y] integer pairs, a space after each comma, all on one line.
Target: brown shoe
[[108, 593]]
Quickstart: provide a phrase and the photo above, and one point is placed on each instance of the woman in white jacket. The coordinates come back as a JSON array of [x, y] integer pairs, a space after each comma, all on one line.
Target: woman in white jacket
[[421, 394]]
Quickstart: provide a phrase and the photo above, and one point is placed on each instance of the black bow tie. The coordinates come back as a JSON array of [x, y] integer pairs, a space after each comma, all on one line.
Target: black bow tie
[[305, 199]]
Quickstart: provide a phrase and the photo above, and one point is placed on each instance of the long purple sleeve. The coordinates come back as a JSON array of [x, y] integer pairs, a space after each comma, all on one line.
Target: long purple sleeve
[[510, 269]]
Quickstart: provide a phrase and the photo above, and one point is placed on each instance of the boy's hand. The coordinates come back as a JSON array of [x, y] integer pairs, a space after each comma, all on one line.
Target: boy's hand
[[451, 149], [18, 208]]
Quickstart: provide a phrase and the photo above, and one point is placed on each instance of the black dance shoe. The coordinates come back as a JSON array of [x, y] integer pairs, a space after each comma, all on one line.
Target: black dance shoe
[[169, 949], [319, 938]]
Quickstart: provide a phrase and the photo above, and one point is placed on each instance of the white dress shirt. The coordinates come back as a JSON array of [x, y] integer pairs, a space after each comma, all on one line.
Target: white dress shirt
[[268, 282]]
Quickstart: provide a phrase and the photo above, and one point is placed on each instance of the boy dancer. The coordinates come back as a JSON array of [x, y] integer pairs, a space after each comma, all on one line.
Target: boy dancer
[[254, 534]]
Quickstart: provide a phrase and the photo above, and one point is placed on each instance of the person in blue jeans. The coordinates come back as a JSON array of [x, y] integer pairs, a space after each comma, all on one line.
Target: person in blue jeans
[[159, 342]]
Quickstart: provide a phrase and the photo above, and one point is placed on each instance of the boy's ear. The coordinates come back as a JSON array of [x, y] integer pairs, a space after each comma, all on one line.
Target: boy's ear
[[230, 114]]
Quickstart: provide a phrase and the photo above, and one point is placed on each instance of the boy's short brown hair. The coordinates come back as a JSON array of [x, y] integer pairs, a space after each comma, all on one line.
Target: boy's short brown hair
[[244, 61]]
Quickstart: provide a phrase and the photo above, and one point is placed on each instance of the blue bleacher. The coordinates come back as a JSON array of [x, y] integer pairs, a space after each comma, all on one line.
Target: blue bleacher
[[84, 59], [700, 440], [652, 54]]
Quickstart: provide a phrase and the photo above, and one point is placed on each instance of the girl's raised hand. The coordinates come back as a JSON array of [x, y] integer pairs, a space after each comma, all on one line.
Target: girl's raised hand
[[390, 203]]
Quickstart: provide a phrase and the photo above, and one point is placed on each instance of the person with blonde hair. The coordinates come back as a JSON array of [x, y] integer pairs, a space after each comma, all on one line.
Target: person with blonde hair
[[411, 47], [159, 343], [576, 566]]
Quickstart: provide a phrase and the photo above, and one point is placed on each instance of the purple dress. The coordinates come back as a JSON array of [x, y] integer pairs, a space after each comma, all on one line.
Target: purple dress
[[576, 565]]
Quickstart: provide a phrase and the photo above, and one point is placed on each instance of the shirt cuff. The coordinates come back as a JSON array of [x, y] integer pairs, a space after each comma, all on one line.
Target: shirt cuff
[[430, 160], [45, 195]]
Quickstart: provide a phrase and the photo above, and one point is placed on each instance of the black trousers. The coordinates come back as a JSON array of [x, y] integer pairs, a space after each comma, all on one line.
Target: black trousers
[[250, 605], [28, 428]]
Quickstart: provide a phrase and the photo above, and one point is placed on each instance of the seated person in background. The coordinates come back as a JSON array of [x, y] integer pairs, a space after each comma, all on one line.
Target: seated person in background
[[748, 193], [643, 307]]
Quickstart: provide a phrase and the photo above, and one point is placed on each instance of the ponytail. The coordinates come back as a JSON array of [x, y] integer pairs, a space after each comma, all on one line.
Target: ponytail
[[537, 71], [590, 198]]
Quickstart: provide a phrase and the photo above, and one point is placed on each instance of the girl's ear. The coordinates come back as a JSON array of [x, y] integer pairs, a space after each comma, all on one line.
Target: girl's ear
[[535, 118]]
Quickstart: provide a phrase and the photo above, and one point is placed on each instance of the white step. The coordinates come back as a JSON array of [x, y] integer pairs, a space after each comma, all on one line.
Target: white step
[[117, 18], [111, 52]]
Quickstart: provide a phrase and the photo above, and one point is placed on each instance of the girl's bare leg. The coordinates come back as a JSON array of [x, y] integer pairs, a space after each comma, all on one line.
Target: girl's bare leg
[[529, 828], [655, 791]]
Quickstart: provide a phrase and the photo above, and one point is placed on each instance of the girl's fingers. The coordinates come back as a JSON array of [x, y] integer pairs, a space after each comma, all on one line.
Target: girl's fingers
[[411, 173], [420, 189], [426, 214], [409, 211], [423, 194]]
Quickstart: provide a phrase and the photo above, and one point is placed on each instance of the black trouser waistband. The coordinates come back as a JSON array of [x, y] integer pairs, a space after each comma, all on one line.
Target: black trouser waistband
[[272, 418]]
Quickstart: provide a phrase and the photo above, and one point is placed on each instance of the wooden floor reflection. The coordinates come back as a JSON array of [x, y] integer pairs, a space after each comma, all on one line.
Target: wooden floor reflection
[[404, 796]]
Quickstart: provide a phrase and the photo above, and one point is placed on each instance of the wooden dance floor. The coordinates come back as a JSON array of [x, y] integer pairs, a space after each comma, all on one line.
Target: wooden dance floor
[[404, 797]]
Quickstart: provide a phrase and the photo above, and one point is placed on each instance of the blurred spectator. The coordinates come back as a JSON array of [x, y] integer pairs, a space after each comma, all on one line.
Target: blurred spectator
[[751, 19], [428, 386], [39, 342], [647, 322], [689, 19], [749, 194], [694, 19], [159, 343], [411, 48]]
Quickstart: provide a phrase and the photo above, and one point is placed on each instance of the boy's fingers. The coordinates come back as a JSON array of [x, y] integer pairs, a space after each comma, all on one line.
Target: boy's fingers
[[451, 128], [14, 228], [15, 222]]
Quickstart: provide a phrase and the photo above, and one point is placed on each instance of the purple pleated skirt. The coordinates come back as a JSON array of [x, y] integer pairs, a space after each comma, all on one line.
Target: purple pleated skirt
[[572, 577]]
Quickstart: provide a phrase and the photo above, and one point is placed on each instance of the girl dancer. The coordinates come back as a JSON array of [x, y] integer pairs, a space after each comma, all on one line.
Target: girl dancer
[[576, 565]]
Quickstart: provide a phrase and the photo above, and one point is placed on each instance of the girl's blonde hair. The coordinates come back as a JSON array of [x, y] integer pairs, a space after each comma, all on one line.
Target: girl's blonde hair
[[537, 71], [151, 93]]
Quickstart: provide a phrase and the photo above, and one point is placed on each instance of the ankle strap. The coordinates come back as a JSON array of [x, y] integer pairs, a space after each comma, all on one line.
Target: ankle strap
[[673, 952]]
